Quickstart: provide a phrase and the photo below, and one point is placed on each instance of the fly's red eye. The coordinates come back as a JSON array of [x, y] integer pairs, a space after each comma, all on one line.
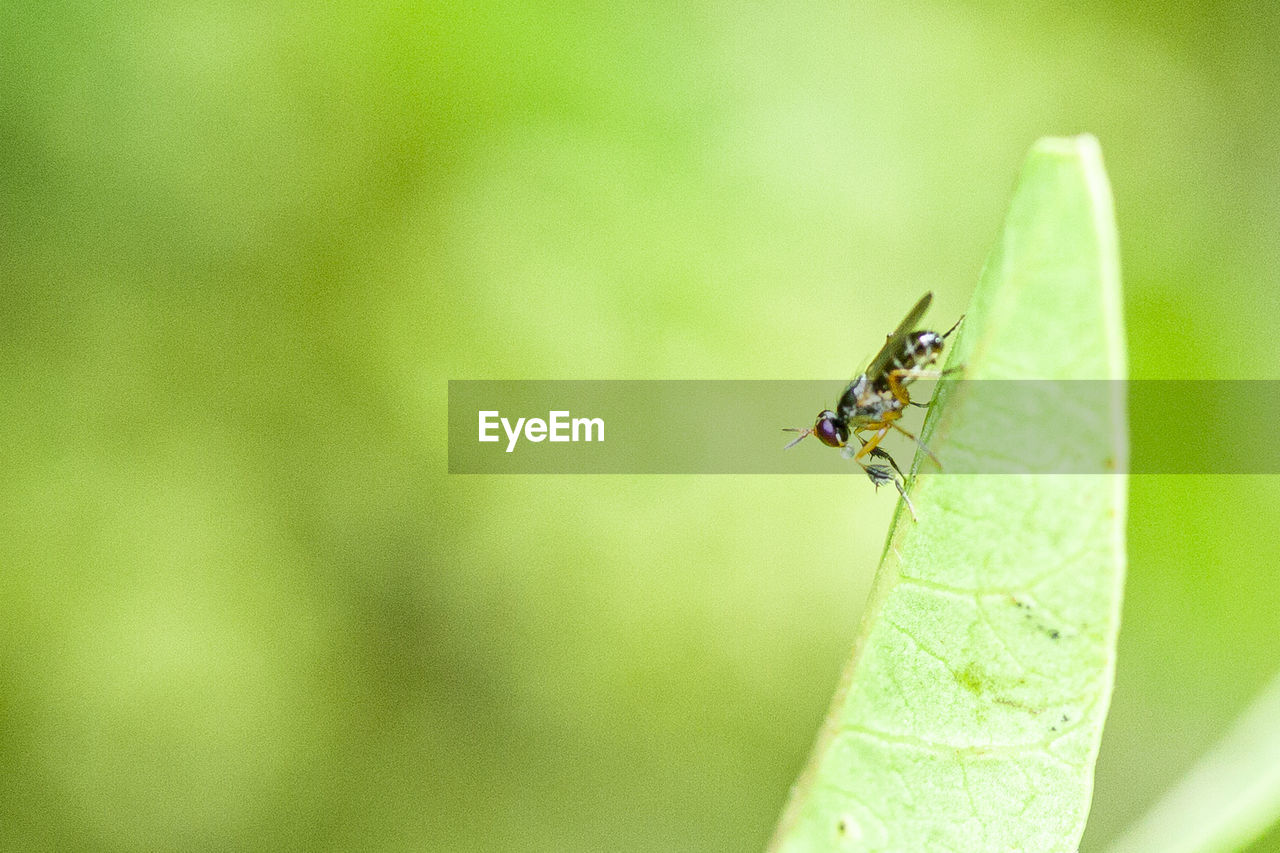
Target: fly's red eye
[[831, 432]]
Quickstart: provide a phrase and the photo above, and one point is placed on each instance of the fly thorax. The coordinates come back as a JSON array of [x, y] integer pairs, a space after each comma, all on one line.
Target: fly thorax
[[875, 405]]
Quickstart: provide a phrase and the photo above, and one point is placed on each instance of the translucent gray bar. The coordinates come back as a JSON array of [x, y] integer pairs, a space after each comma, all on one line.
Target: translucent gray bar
[[735, 427]]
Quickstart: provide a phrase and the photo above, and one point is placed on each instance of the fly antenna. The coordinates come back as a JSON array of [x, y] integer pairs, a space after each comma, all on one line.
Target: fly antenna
[[804, 433], [948, 332]]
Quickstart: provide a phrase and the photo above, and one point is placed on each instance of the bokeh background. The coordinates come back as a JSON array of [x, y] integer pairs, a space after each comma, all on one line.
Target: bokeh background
[[245, 245]]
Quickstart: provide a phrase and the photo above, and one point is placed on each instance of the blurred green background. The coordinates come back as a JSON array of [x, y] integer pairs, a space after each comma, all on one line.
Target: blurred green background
[[245, 245]]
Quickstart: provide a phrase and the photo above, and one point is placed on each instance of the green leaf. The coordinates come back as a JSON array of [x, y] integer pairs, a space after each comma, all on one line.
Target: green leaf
[[1228, 799], [970, 714]]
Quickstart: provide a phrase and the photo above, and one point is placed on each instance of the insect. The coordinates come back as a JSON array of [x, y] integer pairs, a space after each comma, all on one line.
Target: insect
[[874, 401]]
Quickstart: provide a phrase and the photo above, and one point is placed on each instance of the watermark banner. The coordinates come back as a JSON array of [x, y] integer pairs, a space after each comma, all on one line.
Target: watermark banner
[[736, 427]]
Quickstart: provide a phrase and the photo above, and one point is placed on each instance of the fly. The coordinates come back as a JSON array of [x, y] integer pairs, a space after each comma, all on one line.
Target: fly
[[875, 401]]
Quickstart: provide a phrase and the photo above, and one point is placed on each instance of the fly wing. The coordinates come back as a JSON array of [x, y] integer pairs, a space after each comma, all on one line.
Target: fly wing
[[884, 359]]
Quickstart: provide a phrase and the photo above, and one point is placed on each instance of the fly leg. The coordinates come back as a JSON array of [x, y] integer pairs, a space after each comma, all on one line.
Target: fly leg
[[870, 446], [874, 453], [880, 475], [881, 453], [902, 376], [926, 374], [923, 446]]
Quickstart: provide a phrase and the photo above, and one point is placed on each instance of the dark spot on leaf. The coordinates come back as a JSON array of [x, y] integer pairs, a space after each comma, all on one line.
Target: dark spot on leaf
[[1053, 635], [970, 679]]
